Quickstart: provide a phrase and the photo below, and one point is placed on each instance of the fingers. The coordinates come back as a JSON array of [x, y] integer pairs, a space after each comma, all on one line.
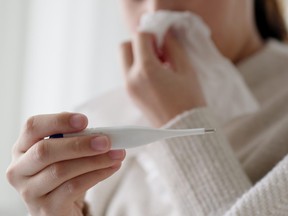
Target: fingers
[[54, 175], [59, 168], [175, 53], [143, 48], [141, 51], [73, 188], [38, 127], [50, 151]]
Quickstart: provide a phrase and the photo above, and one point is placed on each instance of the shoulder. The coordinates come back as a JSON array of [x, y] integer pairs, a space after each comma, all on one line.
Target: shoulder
[[266, 70], [278, 46], [274, 55]]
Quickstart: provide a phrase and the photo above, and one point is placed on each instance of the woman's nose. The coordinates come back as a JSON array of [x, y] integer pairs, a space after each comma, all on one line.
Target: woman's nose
[[155, 5]]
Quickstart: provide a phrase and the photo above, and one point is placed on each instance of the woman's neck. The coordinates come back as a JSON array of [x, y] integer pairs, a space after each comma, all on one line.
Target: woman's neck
[[253, 44]]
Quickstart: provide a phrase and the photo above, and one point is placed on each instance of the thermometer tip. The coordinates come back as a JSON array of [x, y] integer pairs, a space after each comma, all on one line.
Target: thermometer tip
[[210, 130]]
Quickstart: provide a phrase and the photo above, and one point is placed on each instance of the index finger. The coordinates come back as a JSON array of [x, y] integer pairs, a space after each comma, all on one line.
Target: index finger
[[143, 48], [41, 126]]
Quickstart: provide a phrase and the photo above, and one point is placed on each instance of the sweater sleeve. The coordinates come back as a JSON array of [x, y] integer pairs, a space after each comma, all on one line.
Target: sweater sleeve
[[203, 172], [268, 197]]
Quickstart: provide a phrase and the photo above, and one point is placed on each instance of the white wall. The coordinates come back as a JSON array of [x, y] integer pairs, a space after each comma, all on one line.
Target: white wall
[[71, 55], [11, 55]]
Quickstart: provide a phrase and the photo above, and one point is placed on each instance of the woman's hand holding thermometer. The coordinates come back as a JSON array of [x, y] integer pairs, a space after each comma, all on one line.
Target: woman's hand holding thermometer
[[53, 175]]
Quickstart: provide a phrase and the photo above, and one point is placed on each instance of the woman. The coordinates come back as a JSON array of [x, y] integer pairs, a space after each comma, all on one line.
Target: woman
[[205, 178]]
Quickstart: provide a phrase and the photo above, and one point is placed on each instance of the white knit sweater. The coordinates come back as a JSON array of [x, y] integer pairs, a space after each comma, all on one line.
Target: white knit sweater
[[240, 170]]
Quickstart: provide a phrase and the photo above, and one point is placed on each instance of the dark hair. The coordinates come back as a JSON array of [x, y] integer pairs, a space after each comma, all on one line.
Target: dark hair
[[269, 19]]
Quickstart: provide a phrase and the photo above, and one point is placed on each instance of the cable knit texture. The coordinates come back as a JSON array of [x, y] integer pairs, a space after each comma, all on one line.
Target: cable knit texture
[[206, 166]]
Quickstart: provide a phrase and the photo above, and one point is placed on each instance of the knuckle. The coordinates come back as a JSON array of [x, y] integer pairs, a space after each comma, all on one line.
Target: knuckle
[[134, 88], [59, 120], [142, 78], [30, 124], [72, 187], [41, 152], [10, 174], [131, 85], [57, 171], [26, 194], [63, 118], [77, 145]]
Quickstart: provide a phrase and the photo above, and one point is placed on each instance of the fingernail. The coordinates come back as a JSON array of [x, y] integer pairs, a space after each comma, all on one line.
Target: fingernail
[[78, 121], [117, 154], [100, 143]]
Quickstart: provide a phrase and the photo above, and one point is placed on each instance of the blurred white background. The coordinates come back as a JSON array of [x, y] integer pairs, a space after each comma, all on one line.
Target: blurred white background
[[54, 55]]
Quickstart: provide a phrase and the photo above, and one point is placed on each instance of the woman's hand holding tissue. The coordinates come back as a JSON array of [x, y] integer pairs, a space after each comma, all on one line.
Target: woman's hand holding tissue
[[52, 175], [162, 83]]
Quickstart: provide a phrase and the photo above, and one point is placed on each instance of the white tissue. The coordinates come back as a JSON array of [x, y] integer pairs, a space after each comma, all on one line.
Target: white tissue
[[220, 80]]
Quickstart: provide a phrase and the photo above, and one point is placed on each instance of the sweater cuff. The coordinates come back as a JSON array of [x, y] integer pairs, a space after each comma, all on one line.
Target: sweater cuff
[[202, 171]]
